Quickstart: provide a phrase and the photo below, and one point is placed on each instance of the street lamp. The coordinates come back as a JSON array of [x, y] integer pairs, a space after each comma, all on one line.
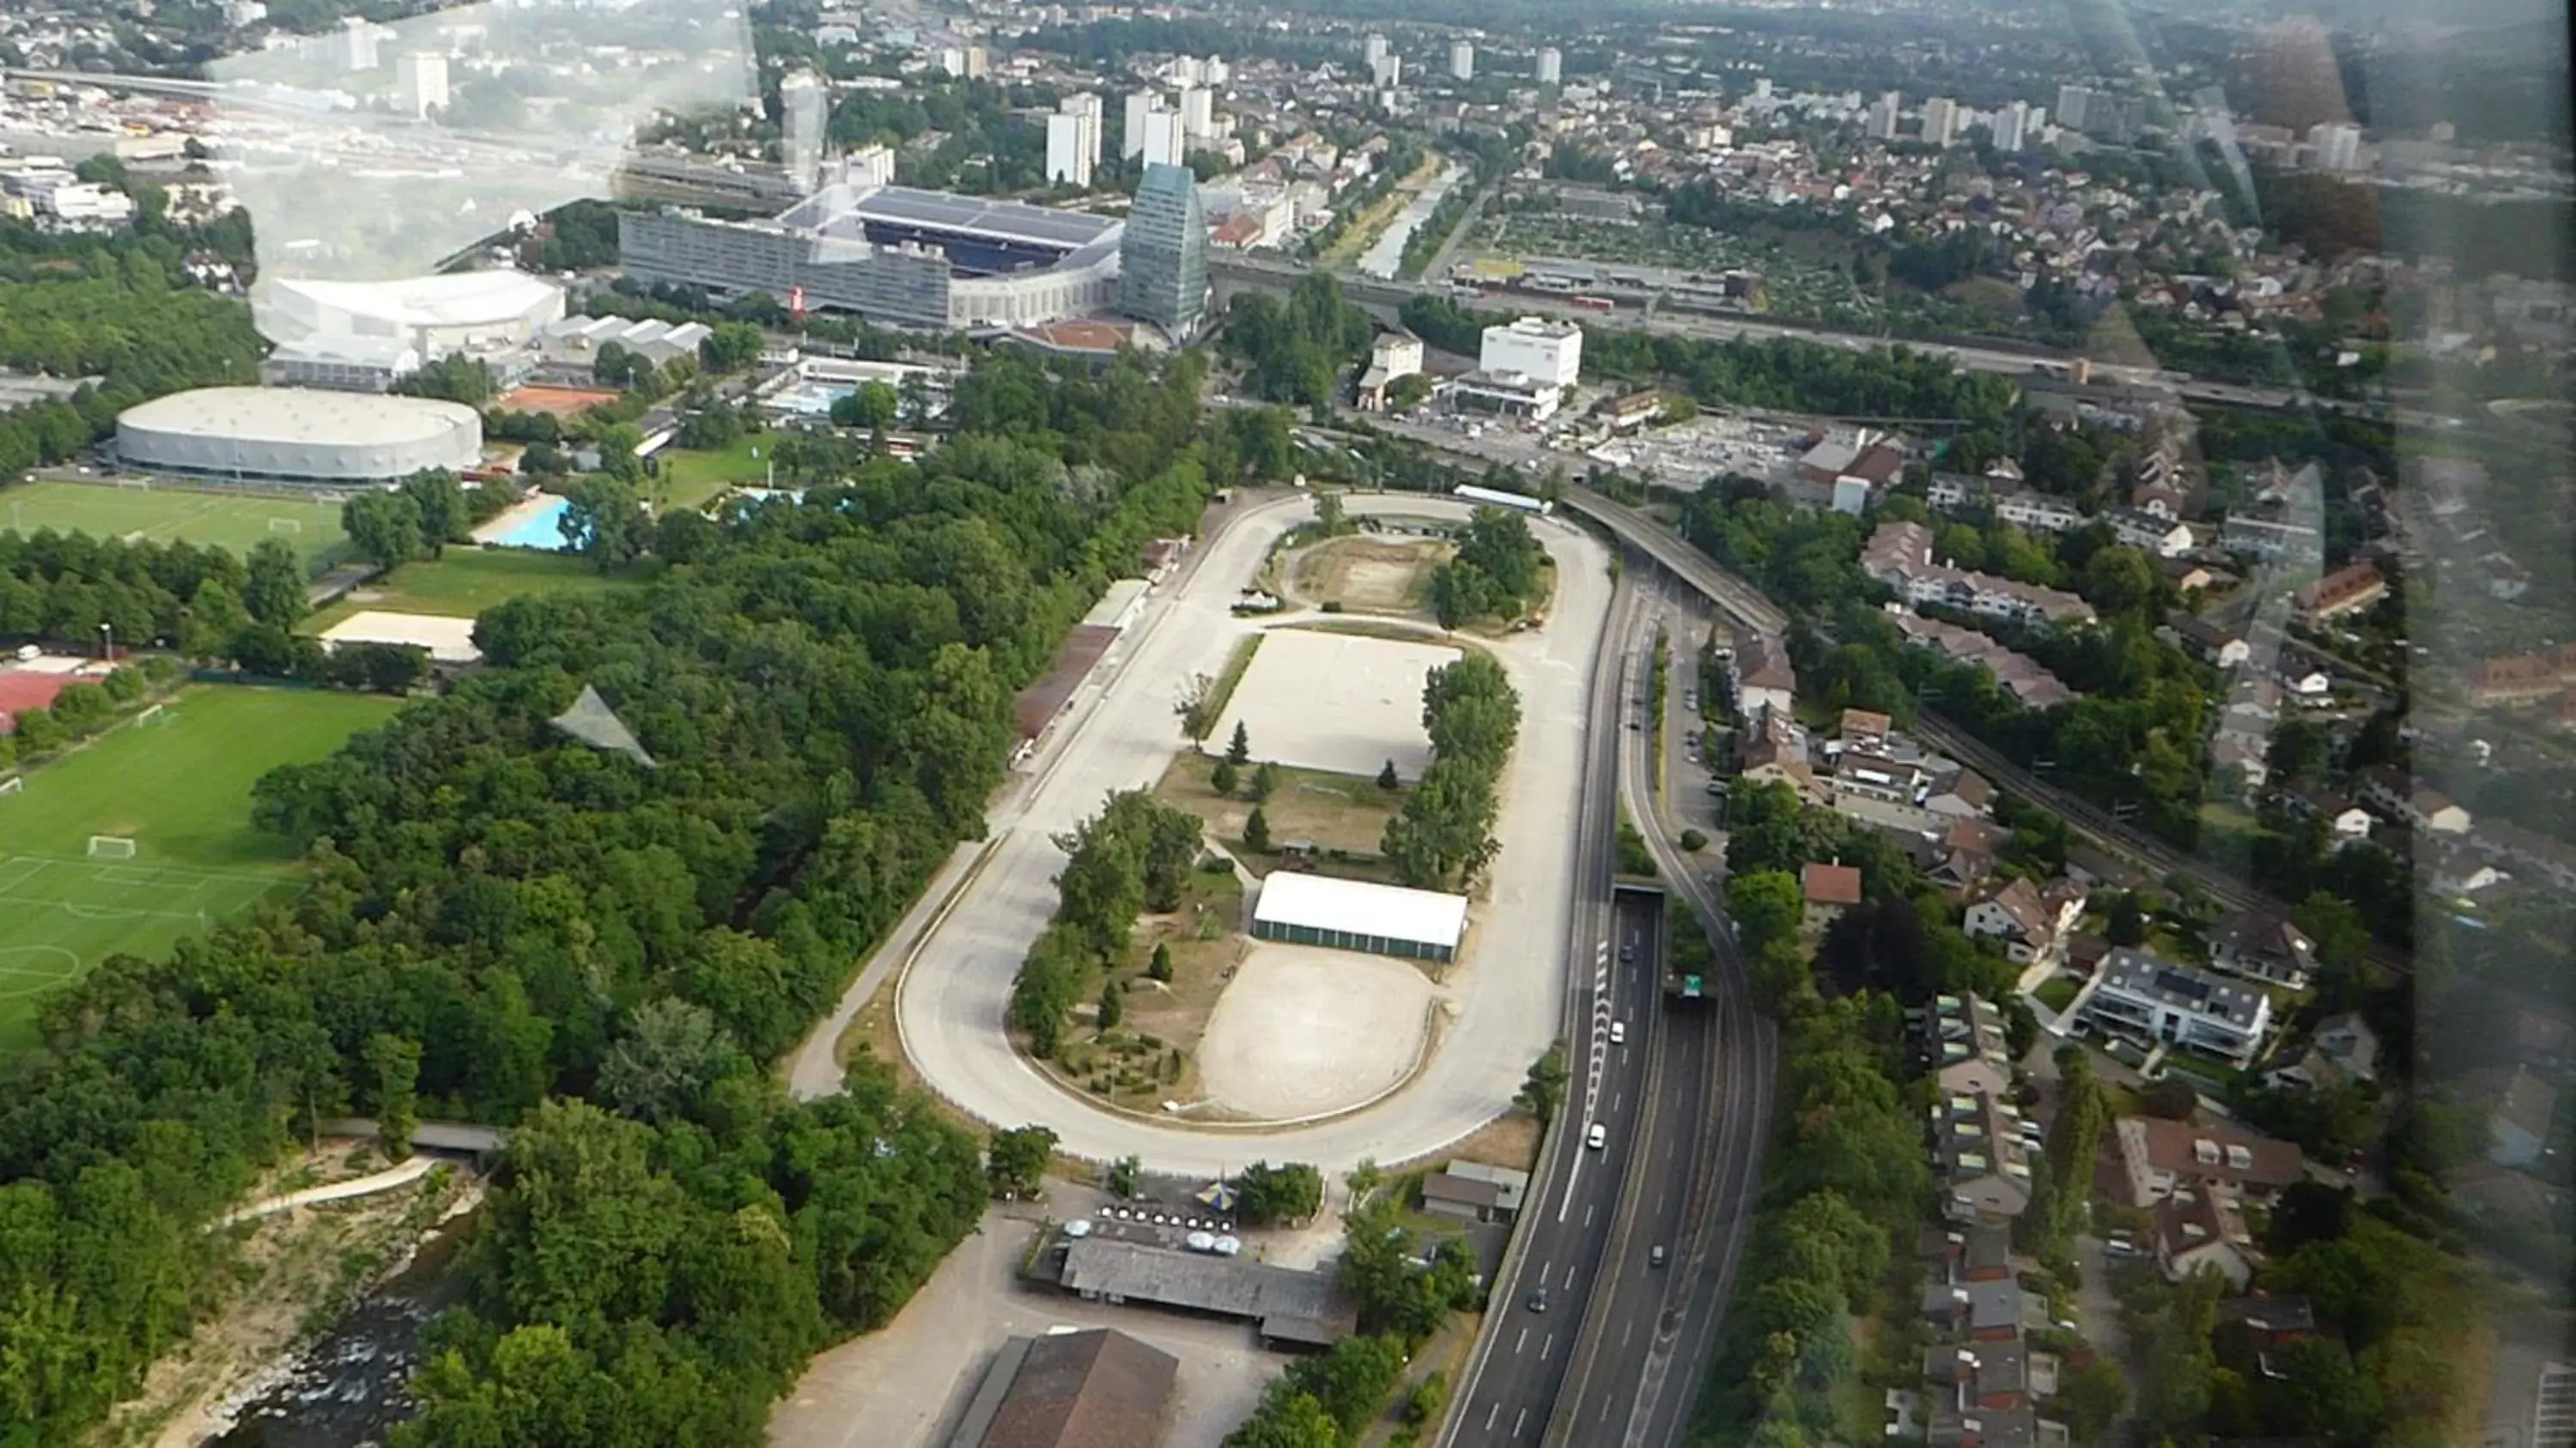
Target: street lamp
[[107, 641]]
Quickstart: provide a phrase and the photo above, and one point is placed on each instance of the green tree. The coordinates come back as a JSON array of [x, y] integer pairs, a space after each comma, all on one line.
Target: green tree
[[1160, 967], [1265, 782], [1256, 832], [1015, 1162], [384, 527], [1238, 750], [1766, 905], [1542, 1092], [393, 1064], [1408, 392], [1388, 779], [660, 1069], [1222, 777], [274, 588], [1113, 1004], [1291, 1191], [604, 521], [1329, 521]]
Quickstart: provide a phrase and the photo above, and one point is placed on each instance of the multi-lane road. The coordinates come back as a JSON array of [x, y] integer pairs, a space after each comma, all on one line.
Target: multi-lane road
[[1520, 1362]]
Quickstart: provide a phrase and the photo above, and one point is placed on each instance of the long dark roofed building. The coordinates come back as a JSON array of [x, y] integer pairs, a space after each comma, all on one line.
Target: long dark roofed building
[[1094, 1389]]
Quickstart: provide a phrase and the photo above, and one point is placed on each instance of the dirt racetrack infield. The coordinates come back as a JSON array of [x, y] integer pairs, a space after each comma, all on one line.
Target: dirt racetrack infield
[[1302, 1031], [1344, 703], [1373, 574]]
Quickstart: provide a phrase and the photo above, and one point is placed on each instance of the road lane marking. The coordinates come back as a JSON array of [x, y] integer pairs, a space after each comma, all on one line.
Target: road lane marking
[[1547, 1347], [1587, 1218], [1518, 1419], [1521, 1342], [1493, 1413]]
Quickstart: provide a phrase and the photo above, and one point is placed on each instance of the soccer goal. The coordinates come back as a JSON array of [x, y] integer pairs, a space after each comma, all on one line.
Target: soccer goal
[[111, 847], [134, 480], [154, 714], [12, 785], [293, 526]]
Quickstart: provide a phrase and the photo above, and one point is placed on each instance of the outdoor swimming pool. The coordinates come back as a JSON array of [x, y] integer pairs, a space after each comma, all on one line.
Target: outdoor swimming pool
[[539, 529], [809, 399]]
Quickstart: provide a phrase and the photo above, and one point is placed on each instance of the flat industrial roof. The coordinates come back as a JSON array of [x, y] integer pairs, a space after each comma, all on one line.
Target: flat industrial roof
[[1357, 907], [302, 415], [982, 216], [458, 299], [448, 640]]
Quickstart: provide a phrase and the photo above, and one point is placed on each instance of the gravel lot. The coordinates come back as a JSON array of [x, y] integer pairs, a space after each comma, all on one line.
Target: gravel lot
[[905, 1386], [1341, 702], [1302, 1030]]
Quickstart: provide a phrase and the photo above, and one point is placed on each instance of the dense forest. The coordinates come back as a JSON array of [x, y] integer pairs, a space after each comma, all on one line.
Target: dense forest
[[115, 309], [509, 926]]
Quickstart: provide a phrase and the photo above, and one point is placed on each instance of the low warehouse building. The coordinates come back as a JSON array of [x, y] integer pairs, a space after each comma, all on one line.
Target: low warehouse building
[[1357, 915], [1094, 1389]]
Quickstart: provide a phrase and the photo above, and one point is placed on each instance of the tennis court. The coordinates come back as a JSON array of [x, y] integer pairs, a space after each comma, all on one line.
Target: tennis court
[[162, 514], [175, 788]]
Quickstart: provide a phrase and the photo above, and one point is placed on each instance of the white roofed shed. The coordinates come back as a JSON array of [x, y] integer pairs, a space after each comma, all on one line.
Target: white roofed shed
[[1358, 915]]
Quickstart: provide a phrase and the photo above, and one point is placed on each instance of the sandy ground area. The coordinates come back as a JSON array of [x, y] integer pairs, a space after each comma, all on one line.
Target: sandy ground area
[[905, 1386], [1302, 1030], [1342, 702]]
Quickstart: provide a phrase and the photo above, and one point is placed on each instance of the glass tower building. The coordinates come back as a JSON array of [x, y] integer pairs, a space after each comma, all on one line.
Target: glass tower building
[[1162, 262]]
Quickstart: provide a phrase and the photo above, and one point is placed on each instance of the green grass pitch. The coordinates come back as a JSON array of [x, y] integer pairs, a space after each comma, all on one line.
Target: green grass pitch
[[180, 788], [230, 521]]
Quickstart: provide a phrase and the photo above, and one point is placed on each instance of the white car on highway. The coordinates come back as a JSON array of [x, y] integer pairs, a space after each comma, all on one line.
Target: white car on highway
[[1598, 1137]]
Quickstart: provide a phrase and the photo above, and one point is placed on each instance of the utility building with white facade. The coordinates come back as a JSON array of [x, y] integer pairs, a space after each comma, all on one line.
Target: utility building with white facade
[[1357, 915], [1547, 352]]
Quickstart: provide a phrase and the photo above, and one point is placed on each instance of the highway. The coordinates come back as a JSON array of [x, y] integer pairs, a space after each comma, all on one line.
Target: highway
[[1699, 1153], [1519, 1363]]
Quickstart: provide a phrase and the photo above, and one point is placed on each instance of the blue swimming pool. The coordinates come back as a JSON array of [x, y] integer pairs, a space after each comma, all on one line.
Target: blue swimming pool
[[541, 529]]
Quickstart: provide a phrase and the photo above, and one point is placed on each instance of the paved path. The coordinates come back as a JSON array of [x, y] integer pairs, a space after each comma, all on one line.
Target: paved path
[[979, 917], [384, 1181]]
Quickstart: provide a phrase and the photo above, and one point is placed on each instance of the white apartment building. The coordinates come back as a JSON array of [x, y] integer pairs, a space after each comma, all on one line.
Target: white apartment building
[[2142, 996], [1551, 65], [1900, 556], [420, 82], [1095, 116], [1140, 104], [1941, 120], [1068, 151], [1547, 352], [1166, 142], [1462, 61], [1198, 111]]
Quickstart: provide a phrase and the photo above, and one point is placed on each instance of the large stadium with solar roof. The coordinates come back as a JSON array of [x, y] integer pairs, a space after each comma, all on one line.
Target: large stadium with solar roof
[[891, 254]]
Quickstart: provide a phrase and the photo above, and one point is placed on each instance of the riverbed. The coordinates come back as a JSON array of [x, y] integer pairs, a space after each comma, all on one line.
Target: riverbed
[[349, 1387], [1386, 255]]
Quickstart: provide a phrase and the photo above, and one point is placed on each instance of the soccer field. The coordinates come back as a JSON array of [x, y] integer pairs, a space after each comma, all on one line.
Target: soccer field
[[179, 788], [225, 520]]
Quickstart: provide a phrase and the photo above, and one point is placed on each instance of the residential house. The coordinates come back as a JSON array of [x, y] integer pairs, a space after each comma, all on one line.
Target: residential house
[[1952, 1427], [2521, 1107], [2249, 757], [2199, 1231], [2038, 512], [2343, 1050], [1982, 1150], [1391, 355], [1775, 748], [1866, 776], [2525, 678], [1971, 1053], [2263, 946], [2157, 537], [2454, 870], [2032, 924], [1900, 556], [1984, 1311], [1865, 730], [1069, 1389], [1986, 1254], [2155, 1000], [2403, 797], [2269, 1322], [2159, 499], [2160, 1156], [1475, 1192], [2268, 532], [1829, 891], [1979, 1375], [2344, 819], [1951, 492], [1962, 793], [2016, 674], [1845, 474], [2346, 590], [1758, 670], [1962, 856], [2188, 575], [2208, 642]]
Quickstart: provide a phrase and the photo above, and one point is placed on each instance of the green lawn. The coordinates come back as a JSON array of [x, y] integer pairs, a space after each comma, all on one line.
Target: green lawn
[[223, 520], [692, 479], [469, 580], [2058, 992], [179, 787]]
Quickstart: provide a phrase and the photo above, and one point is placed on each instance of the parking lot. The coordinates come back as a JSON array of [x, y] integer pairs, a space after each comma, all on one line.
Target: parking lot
[[905, 1385]]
